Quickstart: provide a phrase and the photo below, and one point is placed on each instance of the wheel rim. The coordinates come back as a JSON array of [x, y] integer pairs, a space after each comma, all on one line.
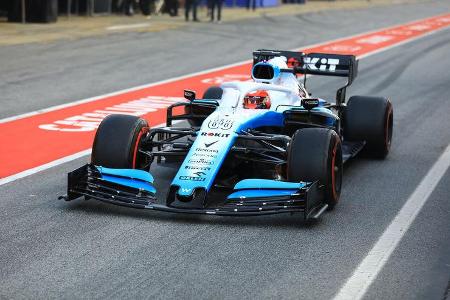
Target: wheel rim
[[136, 161], [388, 129], [336, 171]]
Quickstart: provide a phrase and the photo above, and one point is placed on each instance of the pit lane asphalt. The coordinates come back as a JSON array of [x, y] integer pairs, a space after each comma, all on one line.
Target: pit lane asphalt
[[51, 249]]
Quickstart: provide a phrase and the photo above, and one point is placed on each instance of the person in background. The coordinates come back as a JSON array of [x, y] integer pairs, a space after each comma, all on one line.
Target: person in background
[[218, 4], [172, 7], [253, 2], [208, 7], [128, 7], [191, 4], [145, 6]]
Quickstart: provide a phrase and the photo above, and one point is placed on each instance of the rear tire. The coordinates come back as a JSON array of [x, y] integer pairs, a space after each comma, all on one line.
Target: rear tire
[[116, 143], [370, 119], [316, 154], [213, 92]]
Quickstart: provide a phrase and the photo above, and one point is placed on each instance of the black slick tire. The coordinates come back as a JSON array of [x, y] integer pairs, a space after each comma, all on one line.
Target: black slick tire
[[116, 143], [316, 154], [370, 119], [213, 92]]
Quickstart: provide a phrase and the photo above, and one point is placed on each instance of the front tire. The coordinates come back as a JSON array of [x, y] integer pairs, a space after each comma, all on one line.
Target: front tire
[[117, 141], [316, 154]]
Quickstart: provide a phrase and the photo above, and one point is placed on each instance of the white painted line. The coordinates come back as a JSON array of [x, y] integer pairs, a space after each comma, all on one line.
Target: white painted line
[[44, 167], [129, 26], [365, 274]]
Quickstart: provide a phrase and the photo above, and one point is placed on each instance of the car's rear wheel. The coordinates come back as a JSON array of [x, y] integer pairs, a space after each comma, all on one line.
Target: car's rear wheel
[[117, 142], [316, 154], [212, 93], [370, 119]]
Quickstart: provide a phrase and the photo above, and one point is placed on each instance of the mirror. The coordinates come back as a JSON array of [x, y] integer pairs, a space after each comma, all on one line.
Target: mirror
[[189, 95]]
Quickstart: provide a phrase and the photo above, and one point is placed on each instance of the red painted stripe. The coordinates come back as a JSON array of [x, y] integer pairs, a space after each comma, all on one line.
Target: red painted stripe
[[28, 142]]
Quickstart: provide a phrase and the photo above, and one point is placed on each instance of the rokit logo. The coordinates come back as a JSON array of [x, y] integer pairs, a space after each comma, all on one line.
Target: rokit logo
[[200, 161], [223, 124], [215, 134], [325, 64], [197, 168]]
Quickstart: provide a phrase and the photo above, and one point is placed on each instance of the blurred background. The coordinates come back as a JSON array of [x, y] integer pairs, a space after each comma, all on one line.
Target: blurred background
[[47, 11]]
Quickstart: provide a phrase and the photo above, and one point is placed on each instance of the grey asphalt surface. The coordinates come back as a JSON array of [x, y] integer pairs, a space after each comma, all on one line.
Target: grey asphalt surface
[[53, 249]]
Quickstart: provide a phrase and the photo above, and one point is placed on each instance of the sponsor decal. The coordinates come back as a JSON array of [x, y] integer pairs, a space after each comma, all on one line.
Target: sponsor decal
[[314, 102], [207, 150], [185, 190], [192, 178], [310, 103], [325, 64], [223, 124], [200, 173], [207, 145], [200, 152], [201, 161], [197, 168], [204, 155], [215, 134], [89, 121]]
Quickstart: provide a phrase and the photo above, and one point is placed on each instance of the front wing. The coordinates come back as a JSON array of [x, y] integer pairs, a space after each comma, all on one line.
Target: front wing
[[250, 197]]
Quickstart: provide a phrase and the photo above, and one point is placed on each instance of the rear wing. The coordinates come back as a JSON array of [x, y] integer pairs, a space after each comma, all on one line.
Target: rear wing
[[330, 65], [325, 64]]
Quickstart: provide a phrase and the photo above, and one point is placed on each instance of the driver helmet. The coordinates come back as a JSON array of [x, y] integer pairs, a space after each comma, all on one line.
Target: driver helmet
[[257, 100]]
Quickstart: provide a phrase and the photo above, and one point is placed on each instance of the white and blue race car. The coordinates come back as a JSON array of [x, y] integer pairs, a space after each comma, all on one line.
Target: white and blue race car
[[246, 148]]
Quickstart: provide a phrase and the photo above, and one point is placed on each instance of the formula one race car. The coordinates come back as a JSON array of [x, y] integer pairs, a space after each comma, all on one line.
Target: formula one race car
[[246, 148]]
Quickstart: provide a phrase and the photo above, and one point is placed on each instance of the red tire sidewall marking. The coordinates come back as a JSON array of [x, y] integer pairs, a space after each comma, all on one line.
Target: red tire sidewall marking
[[143, 131], [333, 165]]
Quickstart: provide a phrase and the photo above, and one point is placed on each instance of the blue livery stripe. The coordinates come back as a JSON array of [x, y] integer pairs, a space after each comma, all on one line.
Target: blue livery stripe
[[137, 184], [267, 184], [257, 194], [129, 173]]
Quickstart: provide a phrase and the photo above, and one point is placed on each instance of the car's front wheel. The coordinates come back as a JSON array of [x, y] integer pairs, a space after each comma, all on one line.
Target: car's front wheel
[[117, 142], [316, 154]]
